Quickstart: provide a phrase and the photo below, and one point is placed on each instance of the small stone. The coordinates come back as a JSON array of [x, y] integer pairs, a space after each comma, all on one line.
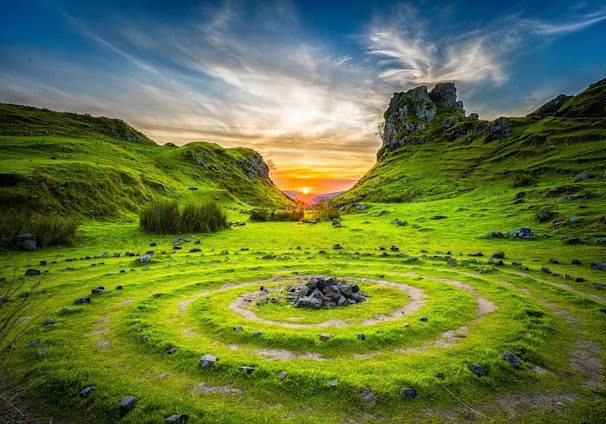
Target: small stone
[[361, 337], [576, 262], [238, 329], [43, 351], [32, 272], [423, 319], [127, 404], [324, 337], [87, 391], [499, 255], [333, 383], [512, 359], [207, 361], [82, 300], [599, 266], [35, 343], [98, 290], [368, 396], [172, 350], [282, 375], [257, 334], [48, 322], [176, 419], [23, 294], [246, 370], [477, 370], [408, 393]]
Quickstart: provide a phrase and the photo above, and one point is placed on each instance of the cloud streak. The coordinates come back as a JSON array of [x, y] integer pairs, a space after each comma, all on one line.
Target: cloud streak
[[255, 74]]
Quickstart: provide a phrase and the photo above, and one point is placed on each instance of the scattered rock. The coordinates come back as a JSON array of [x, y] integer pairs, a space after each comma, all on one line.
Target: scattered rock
[[361, 337], [512, 359], [207, 361], [145, 258], [477, 370], [127, 404], [573, 240], [84, 393], [32, 272], [599, 266], [576, 262], [324, 337], [333, 383], [176, 419], [494, 234], [282, 375], [423, 319], [368, 396], [408, 393], [26, 241], [48, 322], [246, 370], [499, 255], [82, 300], [476, 254], [22, 295], [98, 290], [172, 350]]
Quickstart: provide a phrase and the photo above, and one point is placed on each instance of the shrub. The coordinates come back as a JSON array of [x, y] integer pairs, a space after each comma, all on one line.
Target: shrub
[[326, 211], [279, 215], [48, 229], [160, 217], [164, 218]]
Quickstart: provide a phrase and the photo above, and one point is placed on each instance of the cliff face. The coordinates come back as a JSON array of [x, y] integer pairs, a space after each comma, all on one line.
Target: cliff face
[[410, 113]]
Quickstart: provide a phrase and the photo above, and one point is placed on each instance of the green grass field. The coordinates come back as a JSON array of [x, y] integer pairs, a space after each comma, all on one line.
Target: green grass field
[[475, 313], [436, 308]]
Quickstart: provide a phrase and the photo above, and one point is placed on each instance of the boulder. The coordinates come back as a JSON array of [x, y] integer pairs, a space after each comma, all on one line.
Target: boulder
[[32, 272], [477, 370], [82, 300], [127, 404], [26, 241], [84, 393], [246, 370]]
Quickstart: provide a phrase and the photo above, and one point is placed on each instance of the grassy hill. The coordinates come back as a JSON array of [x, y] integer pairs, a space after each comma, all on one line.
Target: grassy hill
[[556, 159], [77, 164]]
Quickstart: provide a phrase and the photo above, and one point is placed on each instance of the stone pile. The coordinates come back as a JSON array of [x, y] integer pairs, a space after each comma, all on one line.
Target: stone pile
[[322, 293]]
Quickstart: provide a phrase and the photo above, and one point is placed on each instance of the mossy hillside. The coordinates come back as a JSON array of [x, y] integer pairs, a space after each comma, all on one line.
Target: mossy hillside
[[51, 164]]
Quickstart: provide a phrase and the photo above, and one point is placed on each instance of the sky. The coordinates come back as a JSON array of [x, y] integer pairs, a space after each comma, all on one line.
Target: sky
[[303, 82]]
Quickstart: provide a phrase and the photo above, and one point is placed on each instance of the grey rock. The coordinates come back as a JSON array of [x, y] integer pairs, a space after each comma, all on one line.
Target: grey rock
[[477, 370], [408, 393], [32, 272], [145, 258], [499, 255], [423, 319], [26, 241], [512, 359], [238, 329], [333, 383], [246, 370], [42, 351], [84, 393], [127, 404], [361, 337], [172, 350], [282, 375], [98, 290], [22, 295], [208, 361], [48, 322], [176, 419], [599, 266], [368, 396], [82, 300]]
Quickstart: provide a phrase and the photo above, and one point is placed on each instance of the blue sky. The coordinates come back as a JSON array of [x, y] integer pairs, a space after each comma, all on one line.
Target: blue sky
[[305, 83]]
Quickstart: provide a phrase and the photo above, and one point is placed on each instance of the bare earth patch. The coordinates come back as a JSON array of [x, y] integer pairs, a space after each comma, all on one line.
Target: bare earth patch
[[205, 388]]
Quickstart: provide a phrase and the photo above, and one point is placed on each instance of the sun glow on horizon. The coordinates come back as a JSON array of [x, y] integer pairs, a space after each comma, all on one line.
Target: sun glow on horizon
[[305, 190]]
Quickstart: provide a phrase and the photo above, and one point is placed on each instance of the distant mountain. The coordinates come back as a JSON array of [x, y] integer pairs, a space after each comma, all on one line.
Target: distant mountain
[[77, 164], [310, 198]]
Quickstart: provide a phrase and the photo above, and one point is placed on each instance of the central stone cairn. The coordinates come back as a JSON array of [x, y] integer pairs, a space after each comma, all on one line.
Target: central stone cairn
[[321, 293]]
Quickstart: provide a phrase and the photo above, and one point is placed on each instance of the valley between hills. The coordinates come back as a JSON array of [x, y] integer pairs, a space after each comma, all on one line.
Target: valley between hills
[[462, 279]]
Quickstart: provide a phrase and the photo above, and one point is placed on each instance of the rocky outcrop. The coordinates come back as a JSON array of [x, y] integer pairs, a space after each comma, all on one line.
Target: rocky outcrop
[[253, 166], [410, 113], [551, 107]]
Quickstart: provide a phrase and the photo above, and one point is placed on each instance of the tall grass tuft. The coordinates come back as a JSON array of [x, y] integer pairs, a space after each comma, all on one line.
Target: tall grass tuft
[[326, 212], [47, 229], [277, 215], [164, 218]]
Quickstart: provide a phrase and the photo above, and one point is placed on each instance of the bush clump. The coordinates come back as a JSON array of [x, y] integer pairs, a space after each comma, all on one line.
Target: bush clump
[[277, 215], [48, 229], [326, 212], [164, 217]]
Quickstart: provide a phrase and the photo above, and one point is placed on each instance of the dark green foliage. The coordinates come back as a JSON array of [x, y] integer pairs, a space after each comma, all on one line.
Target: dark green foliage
[[160, 217], [326, 211], [277, 215], [48, 229], [163, 217], [206, 217]]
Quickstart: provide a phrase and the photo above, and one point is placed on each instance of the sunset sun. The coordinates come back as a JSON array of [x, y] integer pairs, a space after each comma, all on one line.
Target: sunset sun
[[305, 190]]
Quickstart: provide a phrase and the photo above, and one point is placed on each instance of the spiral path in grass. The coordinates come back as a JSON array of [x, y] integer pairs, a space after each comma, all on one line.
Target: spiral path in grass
[[423, 326]]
